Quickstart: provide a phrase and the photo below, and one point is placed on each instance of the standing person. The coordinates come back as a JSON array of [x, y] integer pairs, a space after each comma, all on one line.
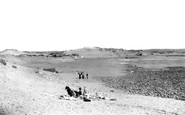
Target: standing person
[[83, 75], [79, 75], [87, 75]]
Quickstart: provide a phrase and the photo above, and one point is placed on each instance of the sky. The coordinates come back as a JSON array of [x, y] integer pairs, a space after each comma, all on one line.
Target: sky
[[45, 25]]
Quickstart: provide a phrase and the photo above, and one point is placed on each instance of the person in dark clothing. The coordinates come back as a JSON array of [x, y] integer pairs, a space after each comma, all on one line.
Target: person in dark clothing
[[82, 76], [87, 75], [80, 91], [70, 92], [79, 75]]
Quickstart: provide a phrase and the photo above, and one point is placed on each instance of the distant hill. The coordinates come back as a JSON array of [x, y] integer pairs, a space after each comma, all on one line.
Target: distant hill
[[92, 53], [98, 52], [12, 52]]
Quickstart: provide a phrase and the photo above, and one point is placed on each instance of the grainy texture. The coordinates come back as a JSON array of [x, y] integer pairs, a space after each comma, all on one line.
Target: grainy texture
[[29, 90], [166, 83]]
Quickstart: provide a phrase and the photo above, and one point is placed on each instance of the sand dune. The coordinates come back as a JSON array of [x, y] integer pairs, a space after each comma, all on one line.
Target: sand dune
[[11, 52], [27, 92], [92, 53]]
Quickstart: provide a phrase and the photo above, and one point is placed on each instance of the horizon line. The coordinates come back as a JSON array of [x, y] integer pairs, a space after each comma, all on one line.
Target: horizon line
[[94, 48]]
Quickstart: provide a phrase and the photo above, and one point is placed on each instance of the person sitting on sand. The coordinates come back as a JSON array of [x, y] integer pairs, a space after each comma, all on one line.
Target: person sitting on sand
[[78, 93], [70, 92], [80, 90]]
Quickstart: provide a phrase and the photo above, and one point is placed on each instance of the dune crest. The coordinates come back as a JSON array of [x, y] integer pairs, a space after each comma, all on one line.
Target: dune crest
[[11, 52]]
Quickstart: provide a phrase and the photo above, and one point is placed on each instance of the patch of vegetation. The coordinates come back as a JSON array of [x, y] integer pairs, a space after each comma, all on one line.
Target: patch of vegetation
[[56, 54], [14, 66], [166, 83], [75, 54], [51, 70], [3, 61], [134, 51], [131, 57]]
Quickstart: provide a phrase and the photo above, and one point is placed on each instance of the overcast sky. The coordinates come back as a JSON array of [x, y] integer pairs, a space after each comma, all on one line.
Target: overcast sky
[[70, 24]]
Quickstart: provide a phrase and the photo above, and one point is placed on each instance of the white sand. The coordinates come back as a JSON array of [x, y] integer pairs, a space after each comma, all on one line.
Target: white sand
[[24, 92]]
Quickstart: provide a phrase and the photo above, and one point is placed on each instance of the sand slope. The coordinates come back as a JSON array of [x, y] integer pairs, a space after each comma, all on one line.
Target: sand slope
[[24, 92]]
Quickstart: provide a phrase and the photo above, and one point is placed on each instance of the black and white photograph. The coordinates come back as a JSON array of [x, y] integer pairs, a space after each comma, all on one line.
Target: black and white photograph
[[92, 57]]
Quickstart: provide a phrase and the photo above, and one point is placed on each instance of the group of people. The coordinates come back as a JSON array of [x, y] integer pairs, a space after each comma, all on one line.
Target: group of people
[[82, 75], [76, 94]]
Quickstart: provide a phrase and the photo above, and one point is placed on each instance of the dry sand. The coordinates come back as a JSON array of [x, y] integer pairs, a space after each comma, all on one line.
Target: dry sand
[[12, 52], [24, 92]]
